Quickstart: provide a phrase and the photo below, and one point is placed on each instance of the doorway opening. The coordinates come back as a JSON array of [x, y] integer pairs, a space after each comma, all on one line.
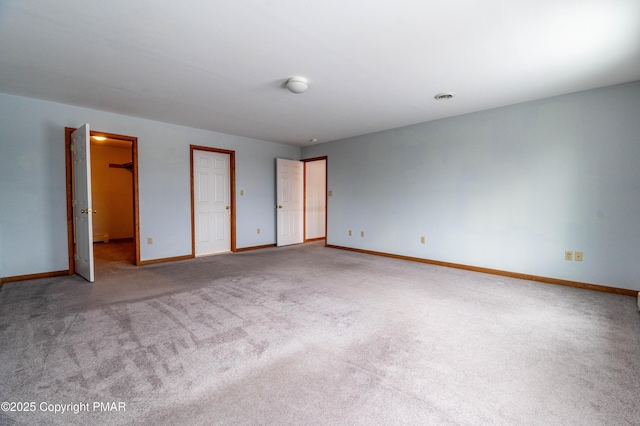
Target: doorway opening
[[114, 174], [301, 200], [315, 199]]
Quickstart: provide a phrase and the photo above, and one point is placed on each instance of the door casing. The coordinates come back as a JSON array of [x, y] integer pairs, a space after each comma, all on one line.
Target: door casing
[[212, 213], [69, 178], [232, 195], [326, 195]]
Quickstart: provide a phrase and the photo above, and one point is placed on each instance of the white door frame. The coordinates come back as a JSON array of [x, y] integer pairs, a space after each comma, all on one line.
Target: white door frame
[[232, 195]]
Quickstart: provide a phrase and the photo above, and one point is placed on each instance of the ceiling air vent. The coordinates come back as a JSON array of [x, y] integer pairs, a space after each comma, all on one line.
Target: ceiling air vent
[[441, 96]]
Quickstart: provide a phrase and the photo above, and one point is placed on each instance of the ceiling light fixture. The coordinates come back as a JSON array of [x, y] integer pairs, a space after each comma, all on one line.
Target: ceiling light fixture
[[99, 138], [442, 96], [297, 85]]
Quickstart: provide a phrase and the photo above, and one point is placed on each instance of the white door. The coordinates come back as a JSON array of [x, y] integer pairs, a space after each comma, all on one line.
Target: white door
[[212, 210], [82, 211], [290, 205]]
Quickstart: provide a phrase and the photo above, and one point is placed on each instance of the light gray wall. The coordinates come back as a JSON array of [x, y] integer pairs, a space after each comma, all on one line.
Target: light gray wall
[[32, 183], [510, 188]]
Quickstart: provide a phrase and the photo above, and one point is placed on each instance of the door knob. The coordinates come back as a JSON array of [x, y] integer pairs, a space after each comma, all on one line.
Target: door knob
[[227, 207]]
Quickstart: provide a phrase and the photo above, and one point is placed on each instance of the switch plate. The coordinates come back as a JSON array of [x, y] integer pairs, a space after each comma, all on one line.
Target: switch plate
[[362, 233], [350, 233], [578, 256], [423, 240], [241, 194], [330, 193], [258, 231], [568, 255], [149, 240]]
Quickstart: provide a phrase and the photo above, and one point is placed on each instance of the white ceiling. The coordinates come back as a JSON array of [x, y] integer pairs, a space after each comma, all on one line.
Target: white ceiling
[[221, 65]]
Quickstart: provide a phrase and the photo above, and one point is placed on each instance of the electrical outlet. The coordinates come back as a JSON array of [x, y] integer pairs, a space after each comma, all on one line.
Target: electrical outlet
[[258, 231], [149, 240], [241, 194], [350, 233], [423, 240], [568, 255], [578, 256], [362, 233]]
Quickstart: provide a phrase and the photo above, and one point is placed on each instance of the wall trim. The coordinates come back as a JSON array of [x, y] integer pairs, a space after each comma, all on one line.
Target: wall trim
[[166, 259], [255, 247], [546, 280], [314, 239], [5, 280]]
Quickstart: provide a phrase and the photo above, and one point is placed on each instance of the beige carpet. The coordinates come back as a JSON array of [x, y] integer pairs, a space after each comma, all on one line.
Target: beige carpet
[[311, 335]]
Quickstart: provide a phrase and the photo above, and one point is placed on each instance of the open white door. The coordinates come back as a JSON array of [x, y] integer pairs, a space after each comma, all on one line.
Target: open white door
[[290, 204], [82, 212]]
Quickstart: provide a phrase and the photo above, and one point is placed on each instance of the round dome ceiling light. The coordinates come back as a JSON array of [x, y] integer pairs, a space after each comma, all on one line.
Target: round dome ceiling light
[[442, 96], [297, 85]]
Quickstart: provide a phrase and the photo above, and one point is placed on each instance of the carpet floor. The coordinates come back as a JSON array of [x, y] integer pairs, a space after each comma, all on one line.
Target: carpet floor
[[305, 335]]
